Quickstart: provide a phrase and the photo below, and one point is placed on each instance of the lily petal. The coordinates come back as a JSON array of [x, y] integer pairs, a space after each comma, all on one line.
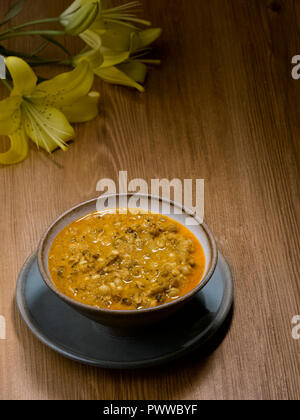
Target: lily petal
[[135, 70], [65, 88], [24, 79], [147, 37], [116, 37], [10, 114], [115, 76], [91, 38], [111, 58], [93, 57], [18, 148], [46, 126], [85, 109]]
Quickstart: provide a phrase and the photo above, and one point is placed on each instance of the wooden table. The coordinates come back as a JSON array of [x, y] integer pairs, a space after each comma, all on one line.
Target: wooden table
[[223, 107]]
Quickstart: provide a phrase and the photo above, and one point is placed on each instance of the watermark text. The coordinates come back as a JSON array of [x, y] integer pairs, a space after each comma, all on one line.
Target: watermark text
[[296, 328], [2, 68], [296, 68], [160, 195], [2, 328]]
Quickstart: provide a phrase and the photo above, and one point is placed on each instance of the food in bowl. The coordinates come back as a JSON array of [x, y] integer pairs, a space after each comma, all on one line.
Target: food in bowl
[[128, 260]]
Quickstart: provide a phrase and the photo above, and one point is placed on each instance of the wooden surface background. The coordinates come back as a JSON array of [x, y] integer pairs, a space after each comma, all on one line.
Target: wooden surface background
[[224, 107]]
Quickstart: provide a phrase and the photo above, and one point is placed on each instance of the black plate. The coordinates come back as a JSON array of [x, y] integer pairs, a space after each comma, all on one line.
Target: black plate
[[76, 337]]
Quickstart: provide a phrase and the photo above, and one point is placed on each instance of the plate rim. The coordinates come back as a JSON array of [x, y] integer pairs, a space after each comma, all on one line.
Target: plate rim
[[207, 334]]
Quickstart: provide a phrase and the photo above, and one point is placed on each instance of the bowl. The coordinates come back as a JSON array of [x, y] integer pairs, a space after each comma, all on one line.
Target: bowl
[[127, 319]]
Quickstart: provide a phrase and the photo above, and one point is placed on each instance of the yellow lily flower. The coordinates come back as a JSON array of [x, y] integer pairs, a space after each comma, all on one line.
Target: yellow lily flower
[[126, 68], [113, 29], [43, 112], [118, 37], [131, 73], [114, 33]]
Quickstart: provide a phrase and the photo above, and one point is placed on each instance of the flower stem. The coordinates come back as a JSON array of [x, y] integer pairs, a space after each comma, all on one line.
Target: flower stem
[[34, 22], [7, 84], [29, 33], [34, 60]]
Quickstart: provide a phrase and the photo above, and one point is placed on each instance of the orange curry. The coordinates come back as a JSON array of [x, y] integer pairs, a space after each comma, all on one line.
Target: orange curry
[[126, 261]]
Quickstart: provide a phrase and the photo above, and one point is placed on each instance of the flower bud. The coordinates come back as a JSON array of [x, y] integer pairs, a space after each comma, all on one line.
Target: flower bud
[[81, 19]]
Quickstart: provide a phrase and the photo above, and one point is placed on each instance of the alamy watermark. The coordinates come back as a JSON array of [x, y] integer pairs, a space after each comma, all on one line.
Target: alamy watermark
[[188, 194], [2, 328], [296, 328], [2, 68], [296, 68]]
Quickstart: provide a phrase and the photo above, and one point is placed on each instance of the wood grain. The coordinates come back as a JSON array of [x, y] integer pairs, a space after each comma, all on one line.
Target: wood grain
[[223, 107]]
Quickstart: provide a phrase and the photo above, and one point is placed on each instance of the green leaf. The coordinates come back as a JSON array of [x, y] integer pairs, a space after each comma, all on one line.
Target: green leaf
[[14, 10]]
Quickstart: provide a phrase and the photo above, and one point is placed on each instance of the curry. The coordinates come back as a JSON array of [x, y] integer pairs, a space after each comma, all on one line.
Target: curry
[[126, 261]]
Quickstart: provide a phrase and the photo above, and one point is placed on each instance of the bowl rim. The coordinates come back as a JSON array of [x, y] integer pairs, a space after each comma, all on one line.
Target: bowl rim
[[48, 281]]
